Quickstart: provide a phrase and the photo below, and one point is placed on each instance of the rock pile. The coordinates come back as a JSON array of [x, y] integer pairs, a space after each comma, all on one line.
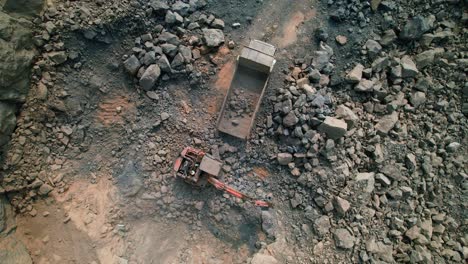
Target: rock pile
[[174, 45], [388, 161]]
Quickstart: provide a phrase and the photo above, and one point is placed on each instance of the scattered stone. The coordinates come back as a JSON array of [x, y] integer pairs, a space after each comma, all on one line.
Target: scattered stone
[[342, 40], [416, 27], [347, 115], [259, 258], [334, 128], [213, 37], [149, 78], [343, 238], [284, 158], [290, 119], [45, 189], [417, 99], [355, 75], [386, 123], [409, 69], [132, 65], [58, 57], [341, 205]]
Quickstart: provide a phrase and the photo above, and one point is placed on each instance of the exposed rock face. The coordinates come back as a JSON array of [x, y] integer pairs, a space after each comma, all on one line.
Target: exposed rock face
[[23, 7], [12, 250], [16, 55]]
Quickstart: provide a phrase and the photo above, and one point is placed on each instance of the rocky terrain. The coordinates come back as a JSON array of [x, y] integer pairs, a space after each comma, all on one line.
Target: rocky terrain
[[360, 141]]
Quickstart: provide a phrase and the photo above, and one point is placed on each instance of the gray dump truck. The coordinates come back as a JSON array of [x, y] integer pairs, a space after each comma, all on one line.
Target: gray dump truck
[[245, 93]]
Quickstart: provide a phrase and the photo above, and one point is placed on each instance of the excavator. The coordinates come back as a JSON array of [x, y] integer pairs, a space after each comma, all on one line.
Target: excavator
[[198, 168]]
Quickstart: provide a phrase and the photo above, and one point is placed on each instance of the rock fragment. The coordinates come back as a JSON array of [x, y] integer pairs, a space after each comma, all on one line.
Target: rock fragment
[[355, 75], [334, 128], [341, 205], [408, 66], [213, 37], [343, 238], [386, 123], [284, 158], [132, 65], [149, 77]]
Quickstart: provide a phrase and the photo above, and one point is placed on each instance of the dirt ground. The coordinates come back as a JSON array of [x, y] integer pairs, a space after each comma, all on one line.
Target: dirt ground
[[76, 226]]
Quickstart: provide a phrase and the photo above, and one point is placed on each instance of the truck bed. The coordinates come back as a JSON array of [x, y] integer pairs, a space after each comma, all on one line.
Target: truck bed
[[245, 93], [241, 104]]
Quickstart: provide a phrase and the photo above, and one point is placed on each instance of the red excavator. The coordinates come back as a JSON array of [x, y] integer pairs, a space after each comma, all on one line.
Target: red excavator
[[198, 168]]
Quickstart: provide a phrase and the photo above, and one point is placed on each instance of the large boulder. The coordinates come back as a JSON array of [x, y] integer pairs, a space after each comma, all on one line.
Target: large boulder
[[16, 56], [12, 250], [7, 121], [24, 7]]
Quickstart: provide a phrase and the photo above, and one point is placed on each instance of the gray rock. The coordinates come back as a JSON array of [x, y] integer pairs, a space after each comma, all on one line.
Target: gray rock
[[149, 58], [165, 116], [380, 250], [269, 224], [388, 38], [259, 258], [382, 179], [409, 68], [132, 65], [58, 57], [290, 119], [164, 64], [364, 86], [7, 121], [393, 172], [343, 238], [341, 205], [322, 225], [373, 48], [193, 25], [427, 57], [159, 5], [417, 99], [322, 57], [173, 18], [50, 27], [169, 49], [186, 52], [217, 23], [167, 37], [380, 64], [284, 158], [334, 128], [413, 233], [150, 77], [177, 61], [365, 181], [14, 251], [181, 7], [386, 123], [355, 75], [416, 27], [213, 37], [347, 115], [16, 57], [45, 189]]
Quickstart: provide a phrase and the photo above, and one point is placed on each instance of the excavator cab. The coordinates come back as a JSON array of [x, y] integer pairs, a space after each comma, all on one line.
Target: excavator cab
[[194, 165]]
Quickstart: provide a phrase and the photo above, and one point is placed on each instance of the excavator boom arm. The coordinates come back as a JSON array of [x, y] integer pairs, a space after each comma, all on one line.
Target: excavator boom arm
[[223, 187]]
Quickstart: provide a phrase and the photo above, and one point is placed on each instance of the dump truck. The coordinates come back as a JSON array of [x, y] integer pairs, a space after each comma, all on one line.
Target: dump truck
[[198, 168], [243, 99]]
